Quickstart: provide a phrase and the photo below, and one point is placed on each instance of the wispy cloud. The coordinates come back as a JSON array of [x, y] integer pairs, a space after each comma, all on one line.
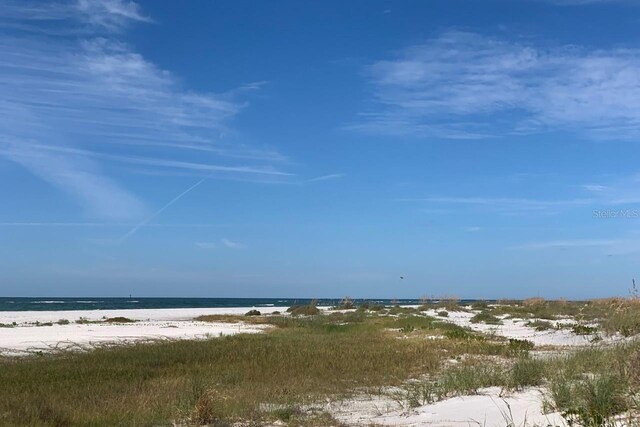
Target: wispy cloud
[[97, 15], [504, 204], [466, 85], [107, 224], [74, 94], [621, 191], [615, 246], [232, 244], [206, 245], [327, 177], [80, 178]]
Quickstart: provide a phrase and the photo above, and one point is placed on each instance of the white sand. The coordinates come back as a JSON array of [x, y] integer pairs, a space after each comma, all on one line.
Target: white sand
[[517, 328], [488, 408], [173, 323]]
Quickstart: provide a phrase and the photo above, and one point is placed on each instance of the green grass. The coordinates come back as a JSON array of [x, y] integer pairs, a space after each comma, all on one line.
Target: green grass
[[227, 378], [119, 319], [486, 317], [304, 359], [304, 310], [540, 325], [592, 385]]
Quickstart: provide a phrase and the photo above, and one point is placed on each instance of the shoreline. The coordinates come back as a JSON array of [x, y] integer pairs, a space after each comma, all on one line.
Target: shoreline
[[59, 330]]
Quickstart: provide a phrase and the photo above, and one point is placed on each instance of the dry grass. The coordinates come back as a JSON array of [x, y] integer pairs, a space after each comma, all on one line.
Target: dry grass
[[303, 359], [222, 378]]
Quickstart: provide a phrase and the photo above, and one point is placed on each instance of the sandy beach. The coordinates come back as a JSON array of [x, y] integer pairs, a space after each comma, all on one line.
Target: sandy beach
[[28, 332], [32, 332]]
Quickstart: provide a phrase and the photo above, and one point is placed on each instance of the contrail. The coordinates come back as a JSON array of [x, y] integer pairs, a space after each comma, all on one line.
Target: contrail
[[159, 211]]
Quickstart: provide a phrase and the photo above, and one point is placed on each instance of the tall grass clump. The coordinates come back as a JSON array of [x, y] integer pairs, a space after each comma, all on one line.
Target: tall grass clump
[[310, 309], [486, 317], [592, 386]]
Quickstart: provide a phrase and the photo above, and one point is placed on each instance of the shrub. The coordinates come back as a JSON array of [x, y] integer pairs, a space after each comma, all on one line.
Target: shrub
[[62, 322], [208, 409], [346, 304], [407, 329], [119, 319], [252, 313], [516, 345], [44, 323], [285, 414], [486, 317], [540, 325], [456, 332], [370, 306], [304, 310], [443, 313], [479, 305], [583, 330]]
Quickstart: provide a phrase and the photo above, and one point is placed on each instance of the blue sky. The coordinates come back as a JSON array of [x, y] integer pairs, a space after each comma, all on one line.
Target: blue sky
[[319, 149]]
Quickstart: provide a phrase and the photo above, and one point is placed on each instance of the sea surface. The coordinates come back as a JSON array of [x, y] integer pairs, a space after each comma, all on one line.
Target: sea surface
[[86, 303]]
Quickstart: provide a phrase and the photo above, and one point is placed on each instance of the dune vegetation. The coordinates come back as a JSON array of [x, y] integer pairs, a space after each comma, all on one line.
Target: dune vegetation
[[303, 359]]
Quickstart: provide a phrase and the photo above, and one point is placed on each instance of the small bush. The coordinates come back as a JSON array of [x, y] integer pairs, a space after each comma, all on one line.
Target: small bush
[[208, 409], [285, 414], [486, 317], [479, 305], [119, 319], [304, 310], [583, 330], [62, 322], [346, 304], [516, 345], [540, 325], [456, 332], [443, 313], [407, 329], [371, 307], [252, 313], [44, 323]]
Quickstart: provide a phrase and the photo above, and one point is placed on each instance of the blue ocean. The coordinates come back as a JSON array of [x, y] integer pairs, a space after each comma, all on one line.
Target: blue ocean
[[93, 303]]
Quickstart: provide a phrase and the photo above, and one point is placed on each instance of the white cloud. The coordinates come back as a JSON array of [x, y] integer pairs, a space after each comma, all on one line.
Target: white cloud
[[327, 177], [74, 95], [101, 196], [465, 85], [94, 15], [232, 244]]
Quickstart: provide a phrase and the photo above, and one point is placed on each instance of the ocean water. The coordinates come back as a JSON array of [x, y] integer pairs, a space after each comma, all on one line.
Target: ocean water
[[92, 303]]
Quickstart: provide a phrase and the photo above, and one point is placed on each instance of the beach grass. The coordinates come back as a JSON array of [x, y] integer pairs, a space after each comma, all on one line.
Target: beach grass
[[227, 377], [306, 358]]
